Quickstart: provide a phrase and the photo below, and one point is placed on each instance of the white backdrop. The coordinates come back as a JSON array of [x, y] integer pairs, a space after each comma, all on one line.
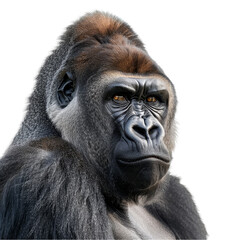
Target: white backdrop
[[197, 43]]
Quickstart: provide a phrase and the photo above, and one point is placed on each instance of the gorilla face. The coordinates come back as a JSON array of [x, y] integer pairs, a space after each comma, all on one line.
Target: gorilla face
[[138, 107], [118, 122]]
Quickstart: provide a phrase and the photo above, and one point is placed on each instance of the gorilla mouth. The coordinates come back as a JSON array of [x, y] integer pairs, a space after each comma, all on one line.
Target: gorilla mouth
[[140, 174], [143, 159]]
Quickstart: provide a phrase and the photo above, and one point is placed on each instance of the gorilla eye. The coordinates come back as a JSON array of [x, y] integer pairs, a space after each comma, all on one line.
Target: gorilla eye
[[65, 90], [119, 98], [151, 99]]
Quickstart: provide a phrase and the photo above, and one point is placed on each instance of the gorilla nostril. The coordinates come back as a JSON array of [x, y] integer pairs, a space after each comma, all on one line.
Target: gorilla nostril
[[140, 131], [153, 131]]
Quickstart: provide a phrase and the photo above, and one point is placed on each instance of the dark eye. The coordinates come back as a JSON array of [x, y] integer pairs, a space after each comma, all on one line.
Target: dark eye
[[118, 98]]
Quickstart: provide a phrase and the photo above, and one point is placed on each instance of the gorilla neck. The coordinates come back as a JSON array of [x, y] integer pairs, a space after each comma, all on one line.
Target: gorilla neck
[[118, 201]]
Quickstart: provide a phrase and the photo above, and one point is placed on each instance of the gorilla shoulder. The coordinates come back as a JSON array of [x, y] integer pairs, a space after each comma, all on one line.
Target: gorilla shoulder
[[42, 184]]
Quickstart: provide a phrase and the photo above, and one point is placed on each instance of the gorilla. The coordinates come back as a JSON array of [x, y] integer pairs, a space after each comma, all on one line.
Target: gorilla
[[91, 158]]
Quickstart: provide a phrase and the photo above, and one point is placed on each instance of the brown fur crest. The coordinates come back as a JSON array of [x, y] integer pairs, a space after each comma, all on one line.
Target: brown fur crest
[[102, 42], [104, 26]]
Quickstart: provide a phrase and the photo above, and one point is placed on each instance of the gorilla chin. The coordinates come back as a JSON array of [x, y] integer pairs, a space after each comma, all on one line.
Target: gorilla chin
[[140, 175]]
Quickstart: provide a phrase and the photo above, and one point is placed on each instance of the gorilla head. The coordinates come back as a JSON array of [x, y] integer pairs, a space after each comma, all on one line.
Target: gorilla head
[[96, 145], [115, 105]]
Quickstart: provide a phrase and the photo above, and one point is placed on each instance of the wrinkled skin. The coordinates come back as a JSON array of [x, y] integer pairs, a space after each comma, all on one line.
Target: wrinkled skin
[[135, 156]]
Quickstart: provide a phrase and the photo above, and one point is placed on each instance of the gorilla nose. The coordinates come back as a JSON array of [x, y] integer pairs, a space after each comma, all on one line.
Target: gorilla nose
[[139, 129], [145, 132]]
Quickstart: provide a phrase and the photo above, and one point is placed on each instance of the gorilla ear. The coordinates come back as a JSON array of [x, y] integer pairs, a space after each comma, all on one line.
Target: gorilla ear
[[65, 90]]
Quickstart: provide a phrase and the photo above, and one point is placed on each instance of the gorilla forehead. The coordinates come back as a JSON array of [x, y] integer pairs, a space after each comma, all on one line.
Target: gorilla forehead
[[133, 82], [99, 58], [137, 84]]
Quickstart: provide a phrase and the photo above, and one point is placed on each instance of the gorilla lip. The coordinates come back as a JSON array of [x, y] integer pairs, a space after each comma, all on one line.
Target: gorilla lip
[[143, 159]]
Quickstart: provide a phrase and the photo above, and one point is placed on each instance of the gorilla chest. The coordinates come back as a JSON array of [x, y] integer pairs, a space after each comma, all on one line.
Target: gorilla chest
[[142, 226]]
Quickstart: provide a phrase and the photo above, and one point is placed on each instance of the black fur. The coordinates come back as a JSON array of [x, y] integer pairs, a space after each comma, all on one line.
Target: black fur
[[50, 193], [175, 207], [61, 177]]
